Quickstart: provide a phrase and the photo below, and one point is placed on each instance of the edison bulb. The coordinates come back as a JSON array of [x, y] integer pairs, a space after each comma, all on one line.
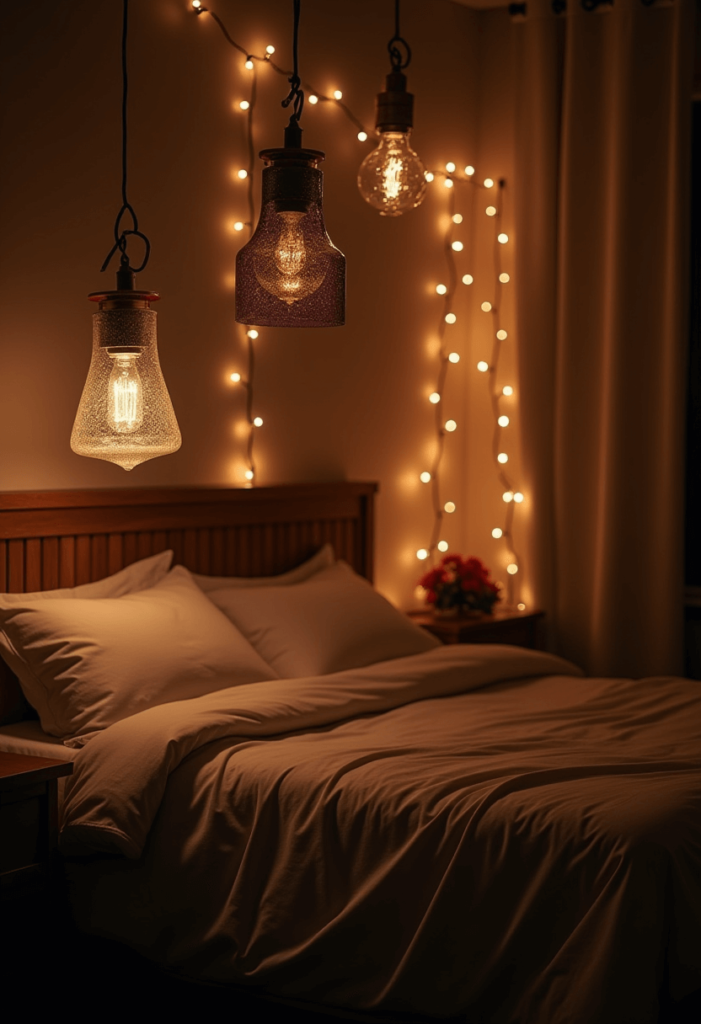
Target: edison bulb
[[125, 402], [291, 275], [392, 178]]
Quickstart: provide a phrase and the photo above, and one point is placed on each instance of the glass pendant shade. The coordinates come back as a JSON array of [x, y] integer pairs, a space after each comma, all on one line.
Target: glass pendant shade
[[290, 274], [125, 413], [392, 178]]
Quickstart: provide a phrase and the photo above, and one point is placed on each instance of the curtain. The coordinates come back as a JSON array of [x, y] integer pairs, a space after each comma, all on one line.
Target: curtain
[[602, 212]]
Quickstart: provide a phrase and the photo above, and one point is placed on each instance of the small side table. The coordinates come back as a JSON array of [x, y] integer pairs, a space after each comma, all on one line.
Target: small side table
[[28, 823], [522, 629]]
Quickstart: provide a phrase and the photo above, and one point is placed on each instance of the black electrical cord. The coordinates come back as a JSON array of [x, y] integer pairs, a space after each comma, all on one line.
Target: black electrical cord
[[398, 59], [121, 234], [296, 93]]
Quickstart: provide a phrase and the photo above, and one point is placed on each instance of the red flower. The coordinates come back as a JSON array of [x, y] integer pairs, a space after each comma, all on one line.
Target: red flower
[[462, 583]]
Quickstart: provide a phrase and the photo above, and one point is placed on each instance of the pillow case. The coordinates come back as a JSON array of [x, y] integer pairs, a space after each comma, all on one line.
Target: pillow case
[[84, 664], [330, 622], [323, 558], [137, 576]]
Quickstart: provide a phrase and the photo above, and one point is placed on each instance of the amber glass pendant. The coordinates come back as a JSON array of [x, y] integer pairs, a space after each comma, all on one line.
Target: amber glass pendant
[[290, 274]]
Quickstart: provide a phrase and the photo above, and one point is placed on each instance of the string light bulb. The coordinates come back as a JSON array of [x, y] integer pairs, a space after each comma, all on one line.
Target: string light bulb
[[497, 532], [449, 507], [467, 279], [249, 64], [507, 390], [434, 398], [422, 554], [450, 426], [425, 477], [392, 179], [441, 289], [442, 545], [453, 357]]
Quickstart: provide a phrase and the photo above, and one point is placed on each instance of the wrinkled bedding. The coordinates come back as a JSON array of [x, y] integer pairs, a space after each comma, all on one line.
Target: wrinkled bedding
[[477, 831]]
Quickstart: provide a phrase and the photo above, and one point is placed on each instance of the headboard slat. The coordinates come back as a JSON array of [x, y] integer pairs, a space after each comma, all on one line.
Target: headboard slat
[[65, 538]]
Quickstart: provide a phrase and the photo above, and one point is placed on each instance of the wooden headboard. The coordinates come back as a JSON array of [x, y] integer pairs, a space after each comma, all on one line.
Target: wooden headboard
[[51, 539]]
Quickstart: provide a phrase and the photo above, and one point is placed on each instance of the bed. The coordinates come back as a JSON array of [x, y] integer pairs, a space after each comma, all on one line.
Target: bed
[[346, 814]]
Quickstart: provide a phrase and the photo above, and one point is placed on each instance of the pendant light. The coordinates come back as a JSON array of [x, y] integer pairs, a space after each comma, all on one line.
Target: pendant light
[[392, 178], [125, 413], [290, 274]]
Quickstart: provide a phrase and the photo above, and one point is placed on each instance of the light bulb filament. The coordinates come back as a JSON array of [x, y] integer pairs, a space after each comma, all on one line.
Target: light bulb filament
[[290, 256], [125, 402]]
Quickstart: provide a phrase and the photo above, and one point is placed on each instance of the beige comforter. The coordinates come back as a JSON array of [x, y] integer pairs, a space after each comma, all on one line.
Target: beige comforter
[[474, 830]]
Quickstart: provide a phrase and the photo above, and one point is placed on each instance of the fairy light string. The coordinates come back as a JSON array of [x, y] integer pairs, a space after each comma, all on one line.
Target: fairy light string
[[453, 247]]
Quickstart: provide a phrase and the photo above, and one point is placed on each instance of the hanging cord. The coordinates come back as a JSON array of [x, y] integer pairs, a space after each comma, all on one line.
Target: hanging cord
[[296, 93], [120, 234], [398, 59]]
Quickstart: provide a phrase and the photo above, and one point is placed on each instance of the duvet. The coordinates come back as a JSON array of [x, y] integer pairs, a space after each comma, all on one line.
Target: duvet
[[473, 831]]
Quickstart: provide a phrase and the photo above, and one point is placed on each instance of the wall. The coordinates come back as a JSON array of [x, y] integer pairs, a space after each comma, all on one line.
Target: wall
[[348, 402]]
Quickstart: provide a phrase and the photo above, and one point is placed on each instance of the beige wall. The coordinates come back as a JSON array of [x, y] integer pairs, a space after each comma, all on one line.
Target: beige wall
[[348, 402]]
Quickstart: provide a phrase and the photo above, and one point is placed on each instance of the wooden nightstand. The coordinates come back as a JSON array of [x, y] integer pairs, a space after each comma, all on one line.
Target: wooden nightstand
[[28, 822], [522, 629]]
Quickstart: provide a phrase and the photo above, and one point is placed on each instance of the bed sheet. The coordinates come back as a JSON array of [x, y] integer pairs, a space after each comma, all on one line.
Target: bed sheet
[[474, 831]]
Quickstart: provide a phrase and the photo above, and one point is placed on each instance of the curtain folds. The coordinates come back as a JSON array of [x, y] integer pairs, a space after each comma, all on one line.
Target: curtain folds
[[602, 167]]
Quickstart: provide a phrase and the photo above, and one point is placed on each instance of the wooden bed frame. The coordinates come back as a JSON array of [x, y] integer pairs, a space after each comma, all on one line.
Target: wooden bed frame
[[51, 539]]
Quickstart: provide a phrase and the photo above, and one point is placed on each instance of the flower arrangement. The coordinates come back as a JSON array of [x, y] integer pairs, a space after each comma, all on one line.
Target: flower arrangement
[[458, 585]]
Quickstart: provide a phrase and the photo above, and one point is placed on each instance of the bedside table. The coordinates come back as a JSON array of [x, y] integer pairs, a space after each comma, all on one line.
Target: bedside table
[[522, 629], [28, 822]]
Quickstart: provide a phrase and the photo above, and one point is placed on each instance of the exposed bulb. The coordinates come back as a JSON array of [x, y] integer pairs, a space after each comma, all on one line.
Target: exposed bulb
[[125, 402], [392, 178]]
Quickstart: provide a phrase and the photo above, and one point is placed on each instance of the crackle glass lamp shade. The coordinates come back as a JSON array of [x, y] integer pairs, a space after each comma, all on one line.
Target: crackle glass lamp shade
[[392, 178], [125, 413], [291, 274]]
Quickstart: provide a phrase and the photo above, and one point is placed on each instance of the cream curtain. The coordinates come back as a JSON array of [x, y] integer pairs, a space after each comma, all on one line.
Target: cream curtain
[[602, 169]]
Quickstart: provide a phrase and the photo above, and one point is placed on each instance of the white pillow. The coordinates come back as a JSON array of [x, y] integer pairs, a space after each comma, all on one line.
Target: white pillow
[[84, 664], [323, 558], [137, 576], [331, 622]]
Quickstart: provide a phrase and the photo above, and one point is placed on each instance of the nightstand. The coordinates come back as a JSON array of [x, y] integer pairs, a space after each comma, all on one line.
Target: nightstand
[[522, 629], [28, 823]]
